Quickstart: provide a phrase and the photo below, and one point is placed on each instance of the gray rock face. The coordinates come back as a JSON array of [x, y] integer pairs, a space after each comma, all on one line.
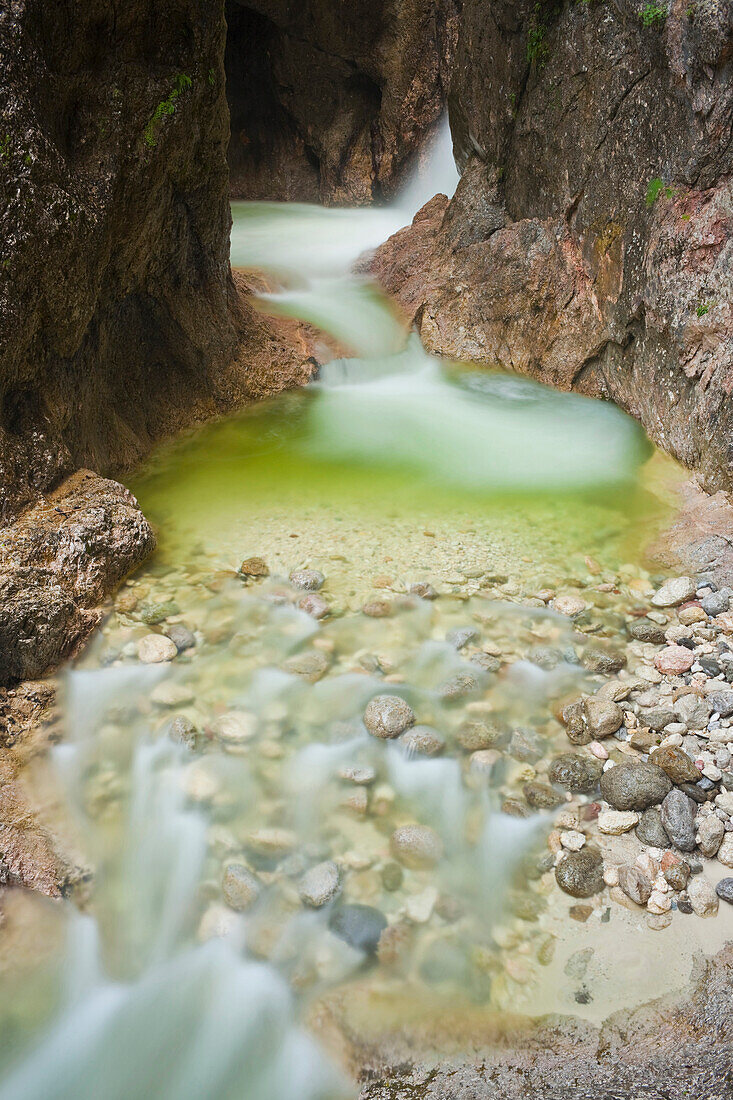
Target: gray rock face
[[57, 563], [117, 257], [678, 819], [580, 874], [634, 786], [560, 1057]]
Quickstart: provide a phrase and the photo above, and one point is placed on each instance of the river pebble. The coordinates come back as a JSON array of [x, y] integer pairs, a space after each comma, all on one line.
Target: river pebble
[[634, 785], [650, 830], [678, 820], [254, 567], [153, 649], [635, 883], [388, 716], [674, 660], [702, 896], [360, 926], [314, 605], [241, 888], [576, 773], [722, 703], [674, 591], [320, 884], [580, 874], [422, 741], [307, 580], [725, 851], [676, 763], [710, 832], [181, 636], [416, 846], [724, 890], [616, 822]]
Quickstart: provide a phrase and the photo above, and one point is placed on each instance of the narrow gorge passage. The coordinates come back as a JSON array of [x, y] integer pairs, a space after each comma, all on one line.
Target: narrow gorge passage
[[314, 754]]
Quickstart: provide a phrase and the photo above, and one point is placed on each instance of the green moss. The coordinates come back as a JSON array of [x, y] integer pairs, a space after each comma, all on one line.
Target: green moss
[[703, 308], [165, 108], [536, 46], [5, 147], [657, 188], [652, 14]]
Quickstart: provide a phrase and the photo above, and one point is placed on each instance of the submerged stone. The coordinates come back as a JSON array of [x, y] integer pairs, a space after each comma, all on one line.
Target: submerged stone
[[360, 926]]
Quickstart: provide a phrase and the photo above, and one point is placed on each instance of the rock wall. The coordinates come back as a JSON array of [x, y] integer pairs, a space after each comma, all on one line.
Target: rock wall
[[590, 242], [330, 101], [117, 311]]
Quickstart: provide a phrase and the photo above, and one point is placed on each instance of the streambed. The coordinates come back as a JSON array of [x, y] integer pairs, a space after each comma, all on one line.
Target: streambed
[[468, 543]]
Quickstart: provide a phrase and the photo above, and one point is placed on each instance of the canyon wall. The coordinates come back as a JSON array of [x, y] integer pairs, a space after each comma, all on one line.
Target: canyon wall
[[590, 242], [330, 102]]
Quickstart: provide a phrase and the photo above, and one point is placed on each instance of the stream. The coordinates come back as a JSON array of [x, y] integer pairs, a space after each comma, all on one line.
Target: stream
[[408, 528]]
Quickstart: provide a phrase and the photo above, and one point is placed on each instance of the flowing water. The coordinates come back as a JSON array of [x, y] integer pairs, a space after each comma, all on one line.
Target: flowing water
[[204, 788]]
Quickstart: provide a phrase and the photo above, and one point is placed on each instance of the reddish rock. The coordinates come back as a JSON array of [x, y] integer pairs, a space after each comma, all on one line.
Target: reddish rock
[[674, 660]]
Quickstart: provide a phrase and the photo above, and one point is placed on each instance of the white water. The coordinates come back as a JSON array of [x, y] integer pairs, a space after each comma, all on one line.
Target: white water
[[396, 405]]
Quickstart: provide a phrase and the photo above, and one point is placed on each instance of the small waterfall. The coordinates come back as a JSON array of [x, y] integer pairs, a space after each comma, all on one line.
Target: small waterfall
[[395, 405]]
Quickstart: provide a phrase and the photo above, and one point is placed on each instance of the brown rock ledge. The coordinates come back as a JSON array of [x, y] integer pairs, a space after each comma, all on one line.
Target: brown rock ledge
[[677, 1048], [58, 562]]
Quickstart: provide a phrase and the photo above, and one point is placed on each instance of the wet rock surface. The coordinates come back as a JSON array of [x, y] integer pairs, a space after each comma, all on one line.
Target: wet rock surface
[[58, 562], [564, 1059], [333, 109], [36, 851], [120, 322]]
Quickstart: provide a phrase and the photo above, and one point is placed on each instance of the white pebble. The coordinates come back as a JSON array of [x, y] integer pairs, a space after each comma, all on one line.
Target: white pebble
[[616, 822], [572, 840]]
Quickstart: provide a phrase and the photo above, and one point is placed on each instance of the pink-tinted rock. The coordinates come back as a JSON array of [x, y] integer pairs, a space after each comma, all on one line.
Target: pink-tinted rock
[[674, 660]]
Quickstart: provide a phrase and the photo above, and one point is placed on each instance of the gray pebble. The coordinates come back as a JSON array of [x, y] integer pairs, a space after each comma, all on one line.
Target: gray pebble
[[678, 819], [634, 786]]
